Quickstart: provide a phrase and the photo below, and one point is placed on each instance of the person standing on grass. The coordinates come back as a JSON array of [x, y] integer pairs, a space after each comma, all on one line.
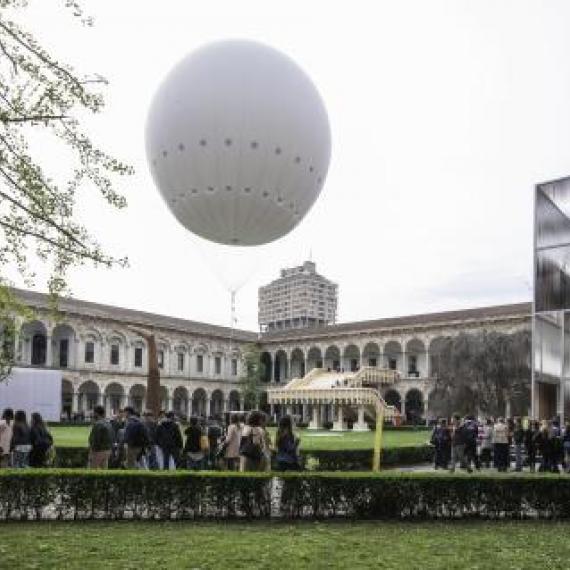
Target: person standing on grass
[[21, 444], [136, 439], [458, 444], [530, 443], [169, 440], [287, 445], [193, 449], [471, 435], [231, 443], [441, 440], [501, 445], [41, 441], [487, 443], [253, 445], [566, 447], [152, 454], [518, 442], [6, 426], [100, 440]]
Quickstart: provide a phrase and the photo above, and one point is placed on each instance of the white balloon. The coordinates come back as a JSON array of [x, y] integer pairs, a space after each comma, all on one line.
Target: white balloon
[[238, 143]]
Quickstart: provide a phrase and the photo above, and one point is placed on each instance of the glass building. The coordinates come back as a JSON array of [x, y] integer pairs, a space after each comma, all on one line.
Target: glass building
[[551, 315]]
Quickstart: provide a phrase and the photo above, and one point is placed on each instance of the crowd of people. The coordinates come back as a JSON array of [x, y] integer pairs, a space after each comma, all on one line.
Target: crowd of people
[[129, 440], [472, 444]]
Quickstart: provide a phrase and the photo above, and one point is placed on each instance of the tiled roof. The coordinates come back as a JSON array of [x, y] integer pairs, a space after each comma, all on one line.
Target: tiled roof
[[427, 319], [130, 316]]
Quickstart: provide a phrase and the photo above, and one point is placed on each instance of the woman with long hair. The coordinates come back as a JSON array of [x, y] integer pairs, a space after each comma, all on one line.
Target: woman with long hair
[[21, 444], [41, 441], [287, 445], [253, 444], [231, 443], [6, 426]]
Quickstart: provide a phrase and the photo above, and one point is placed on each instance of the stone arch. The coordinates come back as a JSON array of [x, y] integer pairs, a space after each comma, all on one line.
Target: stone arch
[[234, 400], [266, 363], [281, 366], [314, 358], [416, 365], [393, 355], [371, 354], [199, 399], [34, 336], [137, 397], [414, 406], [297, 363], [332, 357], [114, 398], [436, 345], [63, 338], [392, 398], [217, 403], [89, 395], [180, 400], [351, 358], [66, 398]]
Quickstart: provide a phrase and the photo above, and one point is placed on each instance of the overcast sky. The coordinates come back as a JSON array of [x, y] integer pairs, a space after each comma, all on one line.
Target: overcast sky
[[444, 114]]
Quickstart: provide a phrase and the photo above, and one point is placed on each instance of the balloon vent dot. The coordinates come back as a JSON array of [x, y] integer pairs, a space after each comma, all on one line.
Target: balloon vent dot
[[228, 142], [265, 194], [254, 144], [311, 169], [194, 190], [229, 188], [203, 142], [277, 150], [279, 199], [210, 188], [297, 159], [164, 153], [247, 190], [180, 146]]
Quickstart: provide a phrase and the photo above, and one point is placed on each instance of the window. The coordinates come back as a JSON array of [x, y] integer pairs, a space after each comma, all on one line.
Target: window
[[63, 352], [138, 356], [218, 365], [372, 362], [115, 354], [180, 362], [234, 366], [39, 349], [200, 363], [89, 352], [412, 364], [160, 358], [392, 363]]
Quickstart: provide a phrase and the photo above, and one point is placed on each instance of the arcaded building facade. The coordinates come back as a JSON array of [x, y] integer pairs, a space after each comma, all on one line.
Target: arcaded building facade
[[104, 361]]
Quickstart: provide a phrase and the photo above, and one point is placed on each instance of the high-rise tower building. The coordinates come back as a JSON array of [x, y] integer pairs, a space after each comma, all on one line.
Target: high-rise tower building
[[299, 298]]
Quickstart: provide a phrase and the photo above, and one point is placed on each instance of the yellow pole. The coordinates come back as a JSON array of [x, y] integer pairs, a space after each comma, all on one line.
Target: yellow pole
[[378, 437]]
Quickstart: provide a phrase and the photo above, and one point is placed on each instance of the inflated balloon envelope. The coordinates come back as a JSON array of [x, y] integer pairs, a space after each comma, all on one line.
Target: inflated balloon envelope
[[238, 143]]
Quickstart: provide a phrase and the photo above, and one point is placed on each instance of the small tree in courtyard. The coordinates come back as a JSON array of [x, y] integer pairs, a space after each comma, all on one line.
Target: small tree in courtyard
[[253, 372]]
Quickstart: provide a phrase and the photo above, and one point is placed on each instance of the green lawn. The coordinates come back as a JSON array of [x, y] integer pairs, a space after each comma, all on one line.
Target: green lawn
[[76, 436], [243, 545]]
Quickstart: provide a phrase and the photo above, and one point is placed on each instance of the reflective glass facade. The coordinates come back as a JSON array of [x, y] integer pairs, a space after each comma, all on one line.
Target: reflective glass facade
[[551, 324]]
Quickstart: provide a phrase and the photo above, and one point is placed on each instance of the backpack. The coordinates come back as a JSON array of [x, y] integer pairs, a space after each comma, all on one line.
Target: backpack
[[248, 448], [139, 435]]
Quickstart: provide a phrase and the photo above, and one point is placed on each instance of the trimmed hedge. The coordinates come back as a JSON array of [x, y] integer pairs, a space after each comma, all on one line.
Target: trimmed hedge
[[333, 460], [112, 495]]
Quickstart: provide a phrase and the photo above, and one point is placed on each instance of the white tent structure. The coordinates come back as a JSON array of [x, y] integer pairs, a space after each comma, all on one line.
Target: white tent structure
[[33, 390]]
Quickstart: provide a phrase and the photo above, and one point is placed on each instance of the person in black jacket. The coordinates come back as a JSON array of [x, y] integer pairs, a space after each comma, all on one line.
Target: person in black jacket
[[169, 439], [40, 439], [530, 443], [21, 443], [193, 448]]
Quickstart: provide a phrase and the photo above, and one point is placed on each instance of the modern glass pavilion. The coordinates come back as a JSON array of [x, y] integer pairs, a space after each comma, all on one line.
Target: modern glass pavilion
[[551, 314]]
